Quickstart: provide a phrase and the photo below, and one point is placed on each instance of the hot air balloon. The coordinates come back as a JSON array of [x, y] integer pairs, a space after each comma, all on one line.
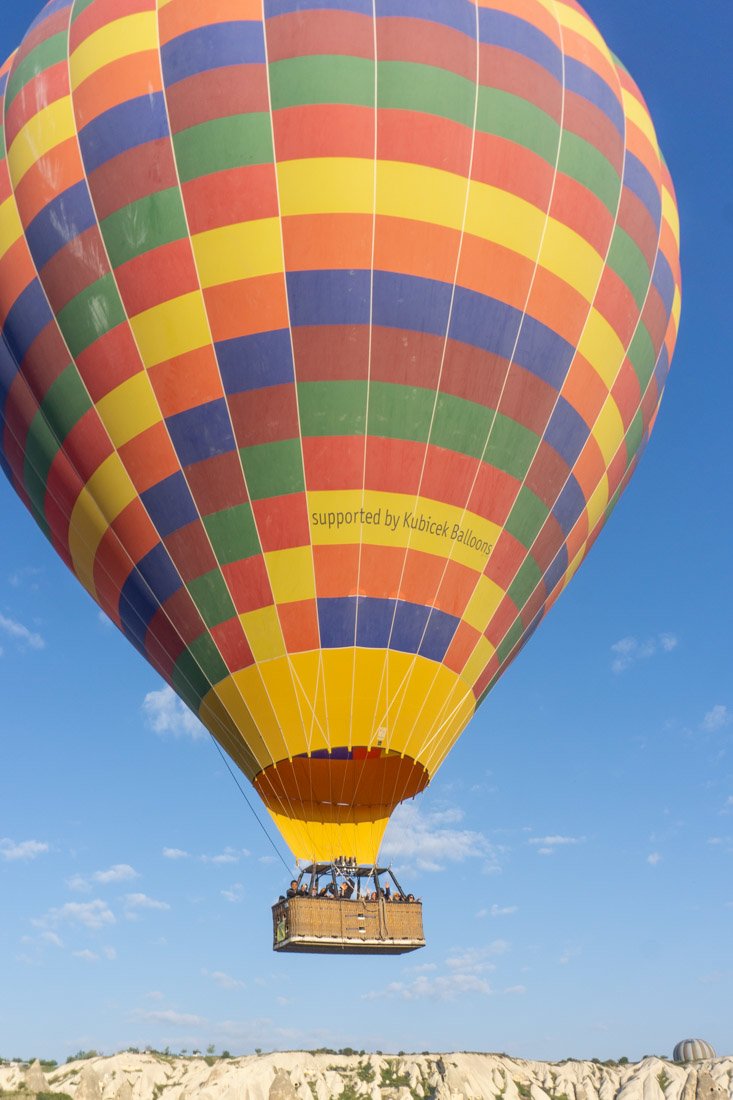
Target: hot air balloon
[[332, 332]]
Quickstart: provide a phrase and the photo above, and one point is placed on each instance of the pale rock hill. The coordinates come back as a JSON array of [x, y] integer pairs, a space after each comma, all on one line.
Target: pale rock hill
[[296, 1075]]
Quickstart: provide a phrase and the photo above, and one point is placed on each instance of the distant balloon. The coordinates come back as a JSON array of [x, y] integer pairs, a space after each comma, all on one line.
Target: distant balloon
[[332, 332], [693, 1050]]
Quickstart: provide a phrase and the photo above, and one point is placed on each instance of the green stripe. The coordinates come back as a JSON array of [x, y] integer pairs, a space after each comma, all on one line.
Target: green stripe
[[148, 223], [510, 640], [80, 6], [91, 314], [527, 517], [233, 534], [400, 412], [189, 681], [65, 402], [47, 53], [211, 596], [525, 582], [41, 449], [642, 355], [301, 81], [509, 116], [407, 86], [511, 447], [629, 263], [223, 143], [332, 408], [461, 425], [273, 469], [634, 436], [585, 163], [208, 657]]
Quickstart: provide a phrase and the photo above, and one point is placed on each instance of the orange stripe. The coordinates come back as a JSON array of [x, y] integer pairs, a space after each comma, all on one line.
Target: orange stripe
[[180, 16], [127, 78], [247, 306]]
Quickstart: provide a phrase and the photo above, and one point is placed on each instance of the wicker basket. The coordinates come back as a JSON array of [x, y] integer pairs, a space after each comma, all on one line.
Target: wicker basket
[[329, 925]]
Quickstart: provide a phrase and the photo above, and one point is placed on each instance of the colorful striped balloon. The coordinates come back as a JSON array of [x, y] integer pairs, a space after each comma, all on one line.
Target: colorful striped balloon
[[332, 332]]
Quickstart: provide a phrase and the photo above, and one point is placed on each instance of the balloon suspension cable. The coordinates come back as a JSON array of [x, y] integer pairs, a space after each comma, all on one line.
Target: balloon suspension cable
[[243, 793]]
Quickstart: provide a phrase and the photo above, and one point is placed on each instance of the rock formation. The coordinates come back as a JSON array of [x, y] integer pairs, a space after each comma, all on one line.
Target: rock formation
[[304, 1076]]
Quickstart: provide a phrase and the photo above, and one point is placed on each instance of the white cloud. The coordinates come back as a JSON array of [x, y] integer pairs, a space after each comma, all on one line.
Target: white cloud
[[229, 855], [92, 914], [134, 902], [445, 987], [629, 650], [25, 577], [120, 872], [235, 893], [477, 959], [52, 938], [427, 841], [717, 718], [177, 1019], [175, 853], [25, 638], [546, 845], [654, 858], [497, 911], [25, 849], [167, 714], [516, 989], [89, 956], [223, 980]]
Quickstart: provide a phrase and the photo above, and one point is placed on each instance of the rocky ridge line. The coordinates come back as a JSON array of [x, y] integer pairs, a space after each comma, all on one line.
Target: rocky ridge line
[[295, 1075]]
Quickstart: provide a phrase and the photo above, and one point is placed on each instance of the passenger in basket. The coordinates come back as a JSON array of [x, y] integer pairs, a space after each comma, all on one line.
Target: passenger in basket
[[292, 889], [347, 890]]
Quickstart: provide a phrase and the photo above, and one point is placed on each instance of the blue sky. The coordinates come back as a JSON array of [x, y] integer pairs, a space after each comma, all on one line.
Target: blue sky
[[575, 854]]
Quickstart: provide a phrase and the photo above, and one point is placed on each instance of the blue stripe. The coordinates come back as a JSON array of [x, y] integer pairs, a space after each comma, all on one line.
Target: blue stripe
[[26, 320], [50, 9], [137, 607], [66, 217], [329, 297], [374, 622], [273, 8], [567, 432], [498, 28], [8, 373], [158, 572], [557, 570], [403, 301], [124, 127], [579, 78], [252, 362], [569, 505], [212, 47], [336, 618], [664, 281], [450, 13], [639, 180], [169, 504], [202, 432], [438, 635]]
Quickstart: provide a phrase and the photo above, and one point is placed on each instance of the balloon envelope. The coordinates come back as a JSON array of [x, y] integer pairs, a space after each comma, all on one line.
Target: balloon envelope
[[332, 332]]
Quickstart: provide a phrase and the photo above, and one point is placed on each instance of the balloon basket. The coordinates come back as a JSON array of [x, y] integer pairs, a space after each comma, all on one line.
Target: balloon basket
[[345, 916]]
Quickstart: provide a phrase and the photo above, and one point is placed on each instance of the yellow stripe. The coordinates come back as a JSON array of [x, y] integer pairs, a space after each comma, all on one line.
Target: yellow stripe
[[11, 228], [111, 487], [483, 603], [132, 34], [86, 529], [608, 430], [382, 532], [241, 251], [582, 25], [291, 574], [671, 214], [262, 628], [602, 348], [478, 661], [49, 128], [637, 113], [129, 409], [430, 195], [326, 185], [173, 328]]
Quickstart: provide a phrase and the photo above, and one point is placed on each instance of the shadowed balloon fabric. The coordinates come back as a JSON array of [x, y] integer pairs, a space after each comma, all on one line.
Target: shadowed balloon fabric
[[332, 333]]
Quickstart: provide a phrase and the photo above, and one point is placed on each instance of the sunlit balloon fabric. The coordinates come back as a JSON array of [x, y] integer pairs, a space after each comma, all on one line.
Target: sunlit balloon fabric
[[332, 331]]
